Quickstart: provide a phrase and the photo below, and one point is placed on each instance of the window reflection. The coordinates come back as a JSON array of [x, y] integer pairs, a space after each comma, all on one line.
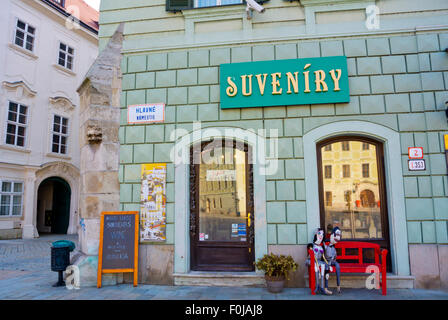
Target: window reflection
[[222, 195], [352, 197]]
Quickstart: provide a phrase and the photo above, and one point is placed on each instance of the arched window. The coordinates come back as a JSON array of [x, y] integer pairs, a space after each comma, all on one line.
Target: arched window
[[357, 186]]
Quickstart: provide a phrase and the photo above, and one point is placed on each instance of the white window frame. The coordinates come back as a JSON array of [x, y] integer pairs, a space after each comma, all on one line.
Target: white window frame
[[11, 194], [67, 54], [26, 34], [218, 3], [17, 124], [59, 134]]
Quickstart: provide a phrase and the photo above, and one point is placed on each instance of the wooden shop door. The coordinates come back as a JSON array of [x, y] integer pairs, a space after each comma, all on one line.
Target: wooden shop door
[[221, 207]]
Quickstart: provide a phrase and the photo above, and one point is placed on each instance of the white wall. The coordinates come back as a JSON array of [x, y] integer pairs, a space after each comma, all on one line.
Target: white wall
[[42, 75]]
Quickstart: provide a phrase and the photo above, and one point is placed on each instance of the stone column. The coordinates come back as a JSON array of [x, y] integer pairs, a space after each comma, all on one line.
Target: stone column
[[29, 230], [99, 151]]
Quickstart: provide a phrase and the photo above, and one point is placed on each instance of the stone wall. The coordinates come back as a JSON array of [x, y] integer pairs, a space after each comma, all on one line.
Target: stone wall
[[99, 148]]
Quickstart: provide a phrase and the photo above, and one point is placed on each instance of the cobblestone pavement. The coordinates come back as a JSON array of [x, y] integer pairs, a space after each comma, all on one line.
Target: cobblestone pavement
[[25, 274]]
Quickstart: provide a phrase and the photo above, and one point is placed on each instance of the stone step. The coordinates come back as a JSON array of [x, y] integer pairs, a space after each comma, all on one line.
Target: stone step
[[220, 279], [356, 280]]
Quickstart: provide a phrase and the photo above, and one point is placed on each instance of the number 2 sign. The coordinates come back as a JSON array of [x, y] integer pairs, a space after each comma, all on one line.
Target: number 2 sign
[[415, 152]]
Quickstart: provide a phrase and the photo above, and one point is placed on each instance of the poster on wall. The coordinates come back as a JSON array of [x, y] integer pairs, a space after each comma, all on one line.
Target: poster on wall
[[153, 203]]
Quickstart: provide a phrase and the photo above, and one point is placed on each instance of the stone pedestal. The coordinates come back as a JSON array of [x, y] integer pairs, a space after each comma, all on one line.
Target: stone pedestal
[[99, 151]]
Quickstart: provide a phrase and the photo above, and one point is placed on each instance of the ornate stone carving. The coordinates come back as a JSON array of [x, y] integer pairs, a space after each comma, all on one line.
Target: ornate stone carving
[[94, 134], [21, 88], [62, 103]]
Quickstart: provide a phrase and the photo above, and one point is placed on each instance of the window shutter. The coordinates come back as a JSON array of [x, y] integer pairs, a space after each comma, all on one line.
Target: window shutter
[[177, 5]]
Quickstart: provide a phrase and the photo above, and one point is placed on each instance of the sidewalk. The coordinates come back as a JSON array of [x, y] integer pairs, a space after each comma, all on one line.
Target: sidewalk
[[25, 274]]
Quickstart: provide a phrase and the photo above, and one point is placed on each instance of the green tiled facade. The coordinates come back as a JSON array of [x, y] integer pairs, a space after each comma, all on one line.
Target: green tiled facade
[[385, 89], [398, 79]]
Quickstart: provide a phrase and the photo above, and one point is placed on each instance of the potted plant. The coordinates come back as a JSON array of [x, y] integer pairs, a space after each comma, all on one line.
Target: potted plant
[[276, 269]]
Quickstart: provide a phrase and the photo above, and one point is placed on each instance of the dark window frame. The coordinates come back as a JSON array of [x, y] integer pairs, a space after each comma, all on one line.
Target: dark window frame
[[346, 171], [179, 5], [60, 3], [58, 133], [27, 34], [14, 123], [328, 171], [365, 168], [384, 242], [66, 59]]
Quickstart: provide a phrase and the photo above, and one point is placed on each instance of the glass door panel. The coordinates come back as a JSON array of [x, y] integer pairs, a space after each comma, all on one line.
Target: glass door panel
[[222, 196], [351, 188]]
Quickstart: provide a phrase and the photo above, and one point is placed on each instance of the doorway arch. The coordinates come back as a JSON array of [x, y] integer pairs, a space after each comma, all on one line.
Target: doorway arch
[[181, 156], [71, 175], [393, 175], [53, 206]]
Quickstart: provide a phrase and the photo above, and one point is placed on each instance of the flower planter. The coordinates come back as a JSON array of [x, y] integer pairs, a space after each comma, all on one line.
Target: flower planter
[[275, 284]]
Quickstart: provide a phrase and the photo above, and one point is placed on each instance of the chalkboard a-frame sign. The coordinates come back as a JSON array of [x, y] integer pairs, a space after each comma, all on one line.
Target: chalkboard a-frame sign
[[118, 251]]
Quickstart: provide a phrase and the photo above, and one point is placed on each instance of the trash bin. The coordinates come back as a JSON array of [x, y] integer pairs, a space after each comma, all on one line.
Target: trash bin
[[60, 258]]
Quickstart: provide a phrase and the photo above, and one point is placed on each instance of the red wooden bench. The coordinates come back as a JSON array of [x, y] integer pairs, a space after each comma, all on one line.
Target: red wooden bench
[[354, 267]]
